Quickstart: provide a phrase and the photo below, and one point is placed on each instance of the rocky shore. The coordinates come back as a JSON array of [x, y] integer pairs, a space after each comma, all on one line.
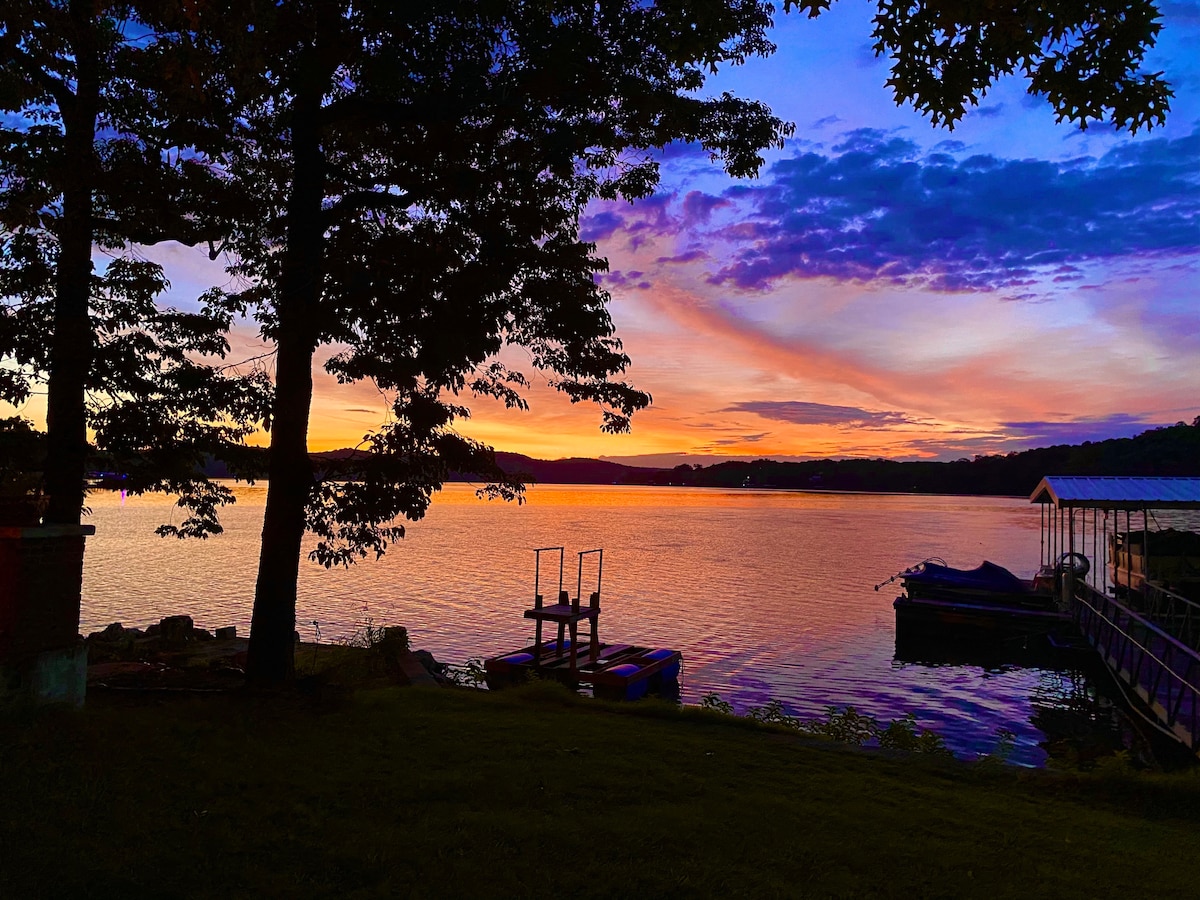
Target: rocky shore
[[175, 654]]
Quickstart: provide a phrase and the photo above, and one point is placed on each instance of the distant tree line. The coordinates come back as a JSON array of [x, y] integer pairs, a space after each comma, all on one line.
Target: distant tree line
[[1170, 451]]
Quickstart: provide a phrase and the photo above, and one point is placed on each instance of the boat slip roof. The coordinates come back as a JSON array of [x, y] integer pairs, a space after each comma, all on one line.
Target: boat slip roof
[[1117, 492]]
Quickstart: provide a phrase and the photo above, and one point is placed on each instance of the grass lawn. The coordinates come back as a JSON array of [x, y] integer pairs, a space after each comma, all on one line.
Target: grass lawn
[[536, 793]]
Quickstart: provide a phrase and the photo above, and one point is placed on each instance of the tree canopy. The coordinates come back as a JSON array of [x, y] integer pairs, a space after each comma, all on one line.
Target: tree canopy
[[1083, 57], [88, 167]]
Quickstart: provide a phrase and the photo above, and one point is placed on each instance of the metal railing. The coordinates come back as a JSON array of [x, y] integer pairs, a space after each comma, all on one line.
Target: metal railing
[[1159, 668], [1178, 616]]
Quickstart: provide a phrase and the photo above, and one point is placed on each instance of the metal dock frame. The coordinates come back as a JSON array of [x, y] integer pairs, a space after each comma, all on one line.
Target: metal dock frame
[[567, 613]]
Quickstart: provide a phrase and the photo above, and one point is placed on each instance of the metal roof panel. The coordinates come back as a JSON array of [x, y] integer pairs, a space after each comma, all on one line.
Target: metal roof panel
[[1118, 492]]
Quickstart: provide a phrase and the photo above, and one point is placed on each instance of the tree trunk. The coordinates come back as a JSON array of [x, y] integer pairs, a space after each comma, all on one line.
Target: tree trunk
[[71, 350], [290, 478]]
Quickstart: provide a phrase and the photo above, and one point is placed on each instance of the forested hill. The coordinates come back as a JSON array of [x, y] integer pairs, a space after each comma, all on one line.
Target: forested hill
[[1172, 450], [573, 471], [539, 471]]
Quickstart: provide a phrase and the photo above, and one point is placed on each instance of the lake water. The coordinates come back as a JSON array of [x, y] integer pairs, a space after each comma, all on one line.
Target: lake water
[[768, 594]]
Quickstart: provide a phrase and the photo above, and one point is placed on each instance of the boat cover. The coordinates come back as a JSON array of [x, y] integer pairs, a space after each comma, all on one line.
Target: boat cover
[[987, 577]]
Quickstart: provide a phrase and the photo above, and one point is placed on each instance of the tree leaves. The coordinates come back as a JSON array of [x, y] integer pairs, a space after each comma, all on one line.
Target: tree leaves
[[1084, 58]]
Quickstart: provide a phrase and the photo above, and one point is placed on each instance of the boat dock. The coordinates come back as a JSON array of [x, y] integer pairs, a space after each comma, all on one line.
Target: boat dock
[[1146, 630], [613, 671]]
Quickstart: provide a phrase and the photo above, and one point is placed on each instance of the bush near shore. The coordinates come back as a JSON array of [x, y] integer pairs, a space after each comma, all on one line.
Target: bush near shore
[[536, 793]]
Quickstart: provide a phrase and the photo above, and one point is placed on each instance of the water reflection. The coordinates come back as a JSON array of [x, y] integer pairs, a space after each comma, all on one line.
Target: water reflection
[[768, 594]]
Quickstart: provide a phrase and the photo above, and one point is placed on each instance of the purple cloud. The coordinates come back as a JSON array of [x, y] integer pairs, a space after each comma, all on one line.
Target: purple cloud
[[599, 226], [619, 279], [690, 256], [877, 209], [1076, 431], [740, 439], [698, 207], [799, 412], [650, 216]]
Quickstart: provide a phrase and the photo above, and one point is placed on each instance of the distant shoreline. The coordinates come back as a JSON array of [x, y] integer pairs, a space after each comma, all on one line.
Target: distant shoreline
[[1169, 451]]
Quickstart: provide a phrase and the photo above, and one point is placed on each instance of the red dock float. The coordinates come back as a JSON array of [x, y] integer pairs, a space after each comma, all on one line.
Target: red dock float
[[613, 671]]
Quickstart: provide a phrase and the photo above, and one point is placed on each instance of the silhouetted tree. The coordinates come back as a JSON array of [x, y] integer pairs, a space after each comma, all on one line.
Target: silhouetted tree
[[418, 172], [88, 166]]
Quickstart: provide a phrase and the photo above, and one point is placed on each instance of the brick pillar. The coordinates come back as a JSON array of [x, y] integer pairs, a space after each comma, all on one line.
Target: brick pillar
[[41, 574]]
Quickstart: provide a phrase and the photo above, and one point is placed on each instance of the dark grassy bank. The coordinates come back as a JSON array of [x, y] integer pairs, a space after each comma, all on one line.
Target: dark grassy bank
[[535, 793]]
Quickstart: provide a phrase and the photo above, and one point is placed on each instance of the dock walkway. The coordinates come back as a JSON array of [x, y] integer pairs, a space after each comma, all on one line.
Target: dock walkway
[[1162, 670]]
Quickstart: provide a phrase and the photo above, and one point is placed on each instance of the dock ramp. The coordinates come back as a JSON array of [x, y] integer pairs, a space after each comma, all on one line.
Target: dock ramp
[[1146, 658]]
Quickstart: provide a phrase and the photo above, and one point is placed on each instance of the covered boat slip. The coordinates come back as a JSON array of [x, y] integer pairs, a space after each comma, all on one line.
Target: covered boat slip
[[1133, 529], [1138, 606]]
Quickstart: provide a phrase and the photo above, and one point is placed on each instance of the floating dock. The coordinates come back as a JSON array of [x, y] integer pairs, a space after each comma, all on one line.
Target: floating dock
[[620, 671], [979, 621], [613, 671]]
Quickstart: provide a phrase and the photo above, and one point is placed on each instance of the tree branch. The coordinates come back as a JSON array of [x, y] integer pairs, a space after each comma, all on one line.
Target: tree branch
[[57, 88]]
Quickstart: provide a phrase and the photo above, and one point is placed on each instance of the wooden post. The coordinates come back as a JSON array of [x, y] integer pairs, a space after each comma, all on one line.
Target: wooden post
[[1069, 571], [537, 632], [1128, 555], [1083, 533], [1145, 551], [594, 645], [1107, 549]]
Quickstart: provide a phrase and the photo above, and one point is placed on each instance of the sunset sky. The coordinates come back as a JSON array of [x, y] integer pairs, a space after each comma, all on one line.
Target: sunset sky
[[884, 288]]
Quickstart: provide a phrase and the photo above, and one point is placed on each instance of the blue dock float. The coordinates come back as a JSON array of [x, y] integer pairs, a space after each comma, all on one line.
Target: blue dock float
[[620, 671]]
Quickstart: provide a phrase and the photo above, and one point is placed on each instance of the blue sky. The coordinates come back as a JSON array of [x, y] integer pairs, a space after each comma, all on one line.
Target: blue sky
[[889, 288]]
